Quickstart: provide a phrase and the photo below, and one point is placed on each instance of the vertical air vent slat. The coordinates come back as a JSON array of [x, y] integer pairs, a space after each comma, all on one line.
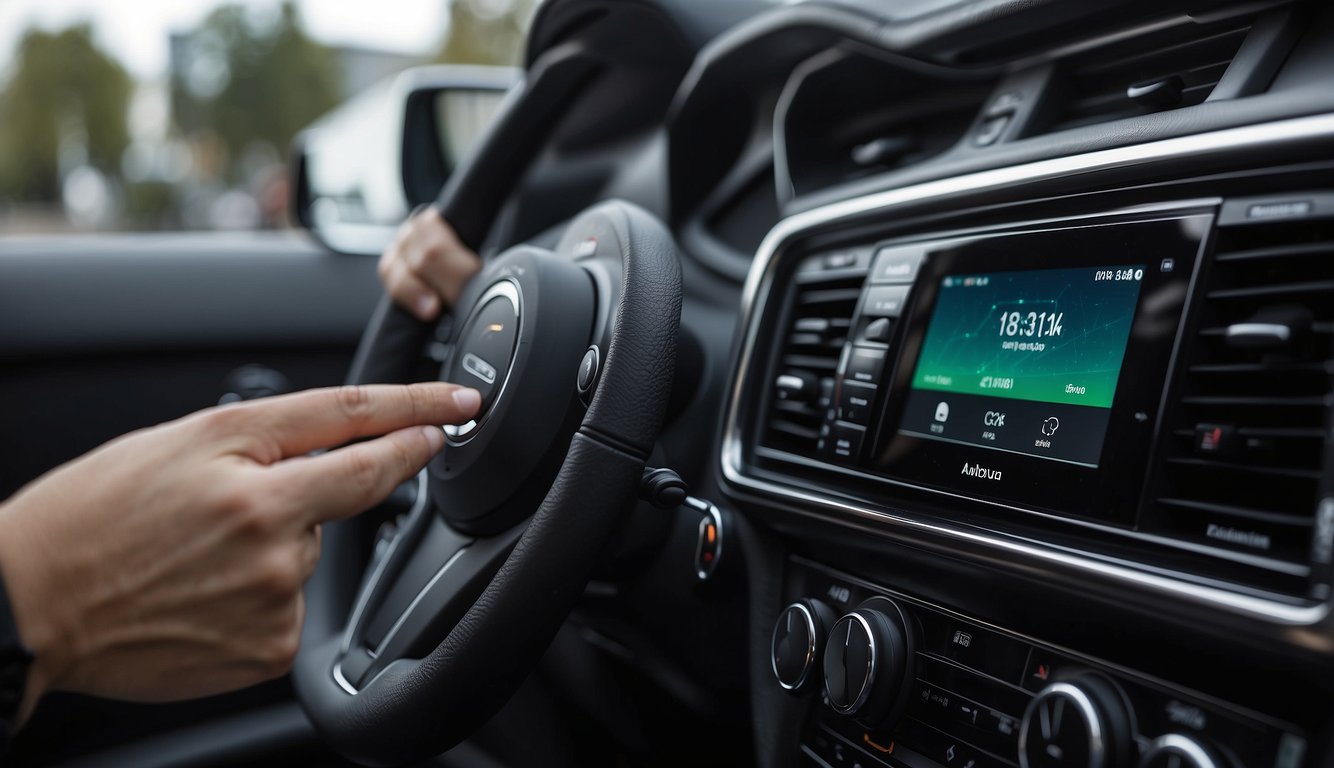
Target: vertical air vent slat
[[1247, 450], [1167, 69], [820, 314]]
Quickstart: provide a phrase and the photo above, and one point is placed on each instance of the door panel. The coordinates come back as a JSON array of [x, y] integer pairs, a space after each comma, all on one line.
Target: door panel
[[103, 335]]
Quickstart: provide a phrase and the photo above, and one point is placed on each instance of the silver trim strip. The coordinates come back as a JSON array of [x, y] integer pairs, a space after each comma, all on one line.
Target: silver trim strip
[[1181, 746], [812, 641], [755, 294], [1097, 756], [367, 588]]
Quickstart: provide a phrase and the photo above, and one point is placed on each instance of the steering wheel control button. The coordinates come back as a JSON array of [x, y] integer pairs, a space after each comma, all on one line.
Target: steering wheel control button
[[1080, 724], [797, 647], [485, 351], [589, 368]]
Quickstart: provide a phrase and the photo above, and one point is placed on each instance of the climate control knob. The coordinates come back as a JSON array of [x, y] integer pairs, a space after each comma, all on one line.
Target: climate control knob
[[798, 644], [867, 661], [1176, 751], [1081, 723]]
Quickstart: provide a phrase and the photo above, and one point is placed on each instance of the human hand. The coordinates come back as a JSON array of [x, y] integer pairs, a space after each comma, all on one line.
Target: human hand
[[169, 563], [426, 265]]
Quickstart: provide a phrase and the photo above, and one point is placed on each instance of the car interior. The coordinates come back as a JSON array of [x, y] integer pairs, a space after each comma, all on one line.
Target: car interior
[[916, 384]]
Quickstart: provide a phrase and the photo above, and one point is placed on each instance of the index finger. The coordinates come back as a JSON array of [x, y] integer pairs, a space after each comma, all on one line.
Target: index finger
[[323, 418]]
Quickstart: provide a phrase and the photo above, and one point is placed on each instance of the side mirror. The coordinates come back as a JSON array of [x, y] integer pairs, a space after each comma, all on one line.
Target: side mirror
[[358, 171]]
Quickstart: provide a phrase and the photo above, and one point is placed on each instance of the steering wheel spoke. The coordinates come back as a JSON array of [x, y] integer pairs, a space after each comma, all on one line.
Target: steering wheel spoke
[[415, 592]]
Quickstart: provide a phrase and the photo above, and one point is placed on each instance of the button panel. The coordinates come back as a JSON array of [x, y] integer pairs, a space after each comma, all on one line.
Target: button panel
[[972, 685], [884, 301], [854, 403]]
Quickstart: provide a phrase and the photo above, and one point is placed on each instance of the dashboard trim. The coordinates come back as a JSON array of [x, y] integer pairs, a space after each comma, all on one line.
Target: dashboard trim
[[754, 296]]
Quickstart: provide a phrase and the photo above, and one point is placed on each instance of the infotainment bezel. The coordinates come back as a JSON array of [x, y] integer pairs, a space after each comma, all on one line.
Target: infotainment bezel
[[1169, 247]]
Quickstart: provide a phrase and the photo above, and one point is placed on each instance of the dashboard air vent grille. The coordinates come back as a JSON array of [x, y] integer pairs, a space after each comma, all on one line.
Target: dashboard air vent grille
[[1249, 439], [1168, 69], [817, 327]]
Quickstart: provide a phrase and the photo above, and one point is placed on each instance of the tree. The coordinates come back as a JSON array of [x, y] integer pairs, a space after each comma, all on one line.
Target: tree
[[487, 31], [260, 84], [68, 96]]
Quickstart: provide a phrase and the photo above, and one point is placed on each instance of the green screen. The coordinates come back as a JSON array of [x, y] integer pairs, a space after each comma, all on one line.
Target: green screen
[[1050, 335]]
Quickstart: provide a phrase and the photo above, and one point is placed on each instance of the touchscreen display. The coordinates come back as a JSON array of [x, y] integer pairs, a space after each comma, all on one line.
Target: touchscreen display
[[1025, 362]]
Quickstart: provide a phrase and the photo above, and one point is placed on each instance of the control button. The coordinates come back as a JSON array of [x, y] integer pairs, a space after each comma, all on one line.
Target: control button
[[864, 365], [979, 649], [896, 265], [1041, 671], [866, 663], [486, 345], [885, 301], [942, 748], [855, 403], [1080, 723], [878, 330], [846, 258], [991, 129], [588, 370], [709, 537], [845, 441], [1176, 751], [1215, 439], [798, 643]]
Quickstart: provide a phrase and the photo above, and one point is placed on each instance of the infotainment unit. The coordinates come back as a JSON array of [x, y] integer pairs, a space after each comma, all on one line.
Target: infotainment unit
[[1025, 362], [1026, 367]]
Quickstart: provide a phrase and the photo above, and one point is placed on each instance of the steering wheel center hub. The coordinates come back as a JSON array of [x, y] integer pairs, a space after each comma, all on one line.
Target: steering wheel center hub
[[528, 318]]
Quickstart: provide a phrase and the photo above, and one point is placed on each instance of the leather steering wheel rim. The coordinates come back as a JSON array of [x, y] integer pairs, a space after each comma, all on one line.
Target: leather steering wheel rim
[[417, 707]]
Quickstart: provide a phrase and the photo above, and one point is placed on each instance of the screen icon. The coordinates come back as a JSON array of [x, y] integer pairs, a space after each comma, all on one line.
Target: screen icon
[[1050, 426], [1167, 266], [942, 412]]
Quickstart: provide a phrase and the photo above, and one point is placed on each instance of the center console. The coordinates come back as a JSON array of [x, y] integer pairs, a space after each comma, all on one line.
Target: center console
[[1114, 403]]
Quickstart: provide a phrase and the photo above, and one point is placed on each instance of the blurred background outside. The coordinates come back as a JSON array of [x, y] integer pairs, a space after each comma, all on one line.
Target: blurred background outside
[[178, 114]]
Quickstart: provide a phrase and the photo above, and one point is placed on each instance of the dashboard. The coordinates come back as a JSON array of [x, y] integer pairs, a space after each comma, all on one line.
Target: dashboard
[[1027, 419]]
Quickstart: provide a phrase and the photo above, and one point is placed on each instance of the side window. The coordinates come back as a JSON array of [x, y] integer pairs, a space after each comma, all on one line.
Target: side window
[[181, 116]]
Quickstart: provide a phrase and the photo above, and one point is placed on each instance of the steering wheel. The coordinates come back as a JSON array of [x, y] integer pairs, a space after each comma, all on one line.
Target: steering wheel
[[573, 351]]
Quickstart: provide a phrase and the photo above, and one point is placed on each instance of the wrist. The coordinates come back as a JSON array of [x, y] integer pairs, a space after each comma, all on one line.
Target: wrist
[[34, 612]]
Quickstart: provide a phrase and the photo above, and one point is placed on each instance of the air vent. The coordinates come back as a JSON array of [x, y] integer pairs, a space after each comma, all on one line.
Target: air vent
[[845, 116], [804, 367], [1246, 464], [1167, 69]]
